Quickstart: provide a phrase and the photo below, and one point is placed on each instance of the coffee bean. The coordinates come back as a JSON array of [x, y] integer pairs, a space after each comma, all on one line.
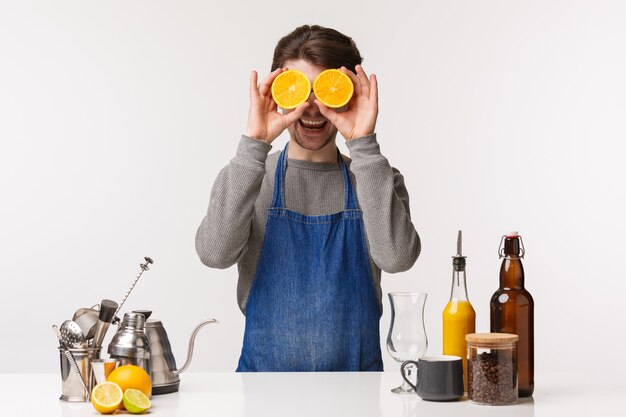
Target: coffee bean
[[492, 378]]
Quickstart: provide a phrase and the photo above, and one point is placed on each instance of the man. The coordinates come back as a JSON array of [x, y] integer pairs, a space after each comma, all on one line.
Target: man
[[309, 229]]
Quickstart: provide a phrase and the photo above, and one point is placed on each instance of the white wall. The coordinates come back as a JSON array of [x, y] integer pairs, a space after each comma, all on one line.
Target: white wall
[[115, 118]]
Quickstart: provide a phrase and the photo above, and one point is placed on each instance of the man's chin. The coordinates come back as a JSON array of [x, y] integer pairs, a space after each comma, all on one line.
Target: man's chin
[[312, 143]]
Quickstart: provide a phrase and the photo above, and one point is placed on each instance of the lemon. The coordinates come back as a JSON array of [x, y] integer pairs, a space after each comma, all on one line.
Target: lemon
[[136, 401], [106, 397]]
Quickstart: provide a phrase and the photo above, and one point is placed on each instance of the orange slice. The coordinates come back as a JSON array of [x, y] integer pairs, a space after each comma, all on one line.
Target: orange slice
[[333, 88], [290, 89]]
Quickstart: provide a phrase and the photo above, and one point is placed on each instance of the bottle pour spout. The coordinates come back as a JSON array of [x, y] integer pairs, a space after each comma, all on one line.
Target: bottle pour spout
[[458, 261]]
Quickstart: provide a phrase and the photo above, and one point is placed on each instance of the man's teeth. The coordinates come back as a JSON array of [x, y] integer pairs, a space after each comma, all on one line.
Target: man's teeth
[[312, 122]]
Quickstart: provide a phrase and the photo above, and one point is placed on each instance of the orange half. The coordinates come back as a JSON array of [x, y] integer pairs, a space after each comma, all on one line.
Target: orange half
[[290, 89], [333, 88]]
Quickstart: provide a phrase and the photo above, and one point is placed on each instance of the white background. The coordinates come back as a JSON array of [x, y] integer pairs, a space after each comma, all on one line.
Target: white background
[[116, 116]]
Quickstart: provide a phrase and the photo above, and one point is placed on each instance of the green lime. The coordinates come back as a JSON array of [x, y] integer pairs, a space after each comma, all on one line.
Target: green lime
[[135, 401]]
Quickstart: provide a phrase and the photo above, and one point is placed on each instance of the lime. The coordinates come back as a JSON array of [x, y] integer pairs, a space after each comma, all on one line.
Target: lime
[[135, 401]]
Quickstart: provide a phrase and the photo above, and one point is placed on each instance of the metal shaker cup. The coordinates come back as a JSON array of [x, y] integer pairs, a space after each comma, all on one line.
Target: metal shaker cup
[[130, 344]]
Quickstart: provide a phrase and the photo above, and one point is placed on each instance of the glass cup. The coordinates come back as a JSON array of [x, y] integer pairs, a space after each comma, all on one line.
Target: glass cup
[[102, 368], [407, 335]]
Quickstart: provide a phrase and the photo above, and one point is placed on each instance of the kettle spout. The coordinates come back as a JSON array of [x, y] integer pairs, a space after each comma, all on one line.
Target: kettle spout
[[191, 342]]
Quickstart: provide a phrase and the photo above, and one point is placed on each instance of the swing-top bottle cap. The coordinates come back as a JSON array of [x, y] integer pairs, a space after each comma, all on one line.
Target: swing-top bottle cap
[[512, 241]]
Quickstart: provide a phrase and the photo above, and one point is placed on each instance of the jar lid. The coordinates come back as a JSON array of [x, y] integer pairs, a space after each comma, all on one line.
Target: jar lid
[[491, 338]]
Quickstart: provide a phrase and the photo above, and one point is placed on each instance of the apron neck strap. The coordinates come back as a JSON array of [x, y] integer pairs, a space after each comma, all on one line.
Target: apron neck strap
[[278, 197]]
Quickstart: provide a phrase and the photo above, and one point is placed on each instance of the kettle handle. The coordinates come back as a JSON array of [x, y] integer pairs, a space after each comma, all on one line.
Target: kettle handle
[[192, 339]]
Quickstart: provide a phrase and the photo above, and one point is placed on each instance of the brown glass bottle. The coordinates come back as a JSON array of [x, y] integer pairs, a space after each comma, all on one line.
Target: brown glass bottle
[[512, 310]]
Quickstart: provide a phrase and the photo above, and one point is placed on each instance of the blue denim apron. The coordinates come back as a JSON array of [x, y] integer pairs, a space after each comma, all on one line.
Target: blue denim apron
[[312, 305]]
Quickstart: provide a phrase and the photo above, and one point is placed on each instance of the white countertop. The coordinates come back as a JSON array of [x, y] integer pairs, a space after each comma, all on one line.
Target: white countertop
[[316, 394]]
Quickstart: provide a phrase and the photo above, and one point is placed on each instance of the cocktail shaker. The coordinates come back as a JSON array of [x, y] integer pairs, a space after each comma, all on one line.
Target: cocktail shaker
[[130, 344]]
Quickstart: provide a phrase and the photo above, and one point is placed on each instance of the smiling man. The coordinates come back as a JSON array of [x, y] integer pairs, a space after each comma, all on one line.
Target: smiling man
[[310, 229]]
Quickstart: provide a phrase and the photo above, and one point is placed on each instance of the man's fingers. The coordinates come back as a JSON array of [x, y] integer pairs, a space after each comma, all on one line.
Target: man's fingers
[[254, 92], [296, 114], [374, 89], [364, 81], [326, 112], [354, 78], [266, 84], [272, 106]]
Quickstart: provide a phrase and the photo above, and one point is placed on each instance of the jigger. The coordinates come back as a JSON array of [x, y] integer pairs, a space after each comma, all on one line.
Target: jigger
[[102, 368]]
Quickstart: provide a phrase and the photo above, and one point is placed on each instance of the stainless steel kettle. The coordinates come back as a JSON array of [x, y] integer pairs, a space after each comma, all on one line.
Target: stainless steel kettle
[[163, 370]]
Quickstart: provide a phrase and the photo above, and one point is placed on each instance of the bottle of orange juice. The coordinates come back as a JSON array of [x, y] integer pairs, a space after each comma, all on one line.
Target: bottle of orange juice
[[459, 317]]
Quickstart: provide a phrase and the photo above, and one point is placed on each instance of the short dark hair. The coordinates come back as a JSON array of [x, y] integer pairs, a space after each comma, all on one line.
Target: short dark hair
[[317, 45]]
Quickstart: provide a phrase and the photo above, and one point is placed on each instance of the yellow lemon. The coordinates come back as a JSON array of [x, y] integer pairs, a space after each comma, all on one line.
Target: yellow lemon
[[106, 397]]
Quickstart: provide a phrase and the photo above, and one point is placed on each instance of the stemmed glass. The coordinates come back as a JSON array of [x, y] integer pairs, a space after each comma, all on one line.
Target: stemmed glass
[[407, 335]]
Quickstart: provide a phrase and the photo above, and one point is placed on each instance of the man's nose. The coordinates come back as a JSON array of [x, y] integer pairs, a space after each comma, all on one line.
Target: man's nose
[[313, 109], [311, 98]]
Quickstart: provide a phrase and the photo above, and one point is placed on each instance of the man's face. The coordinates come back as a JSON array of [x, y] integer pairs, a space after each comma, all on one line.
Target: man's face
[[312, 131]]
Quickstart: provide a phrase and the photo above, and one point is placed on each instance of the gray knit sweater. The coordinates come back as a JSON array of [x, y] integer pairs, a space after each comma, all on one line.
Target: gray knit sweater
[[232, 230]]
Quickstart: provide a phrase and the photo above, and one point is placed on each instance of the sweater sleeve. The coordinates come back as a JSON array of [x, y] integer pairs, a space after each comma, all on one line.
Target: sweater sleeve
[[394, 243], [222, 238]]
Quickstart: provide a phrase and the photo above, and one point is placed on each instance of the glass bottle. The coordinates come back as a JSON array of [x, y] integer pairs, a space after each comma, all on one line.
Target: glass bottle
[[459, 317], [512, 309]]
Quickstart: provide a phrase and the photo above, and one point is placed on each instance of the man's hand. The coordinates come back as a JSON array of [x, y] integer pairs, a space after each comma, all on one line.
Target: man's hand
[[359, 117], [264, 121]]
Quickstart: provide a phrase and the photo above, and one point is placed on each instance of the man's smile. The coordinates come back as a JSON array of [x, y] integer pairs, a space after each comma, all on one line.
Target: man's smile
[[312, 124]]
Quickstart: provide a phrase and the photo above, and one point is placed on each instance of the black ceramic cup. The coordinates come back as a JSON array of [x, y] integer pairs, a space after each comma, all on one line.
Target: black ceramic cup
[[439, 378]]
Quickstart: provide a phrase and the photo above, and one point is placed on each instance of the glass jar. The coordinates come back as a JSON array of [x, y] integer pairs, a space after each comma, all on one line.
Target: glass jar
[[492, 368]]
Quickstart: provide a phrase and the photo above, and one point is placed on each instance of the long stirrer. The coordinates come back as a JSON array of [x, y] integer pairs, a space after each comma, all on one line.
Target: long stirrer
[[144, 267]]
